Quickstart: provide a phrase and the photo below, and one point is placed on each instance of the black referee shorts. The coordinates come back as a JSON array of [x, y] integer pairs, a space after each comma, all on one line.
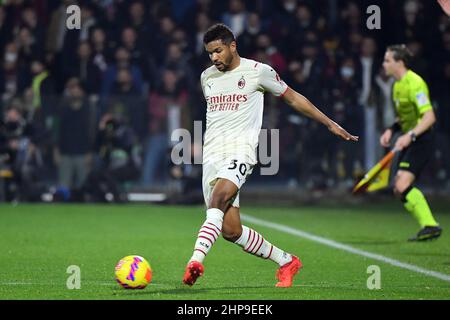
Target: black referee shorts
[[416, 156]]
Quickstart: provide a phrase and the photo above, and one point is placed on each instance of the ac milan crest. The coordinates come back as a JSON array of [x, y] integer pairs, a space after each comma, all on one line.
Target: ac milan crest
[[241, 83]]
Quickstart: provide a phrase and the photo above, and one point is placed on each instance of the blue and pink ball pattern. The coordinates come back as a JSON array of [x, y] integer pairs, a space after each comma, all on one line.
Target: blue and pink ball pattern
[[133, 272]]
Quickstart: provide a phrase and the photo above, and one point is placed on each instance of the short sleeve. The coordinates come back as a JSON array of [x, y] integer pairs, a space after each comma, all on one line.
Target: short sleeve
[[202, 79], [270, 81], [420, 97]]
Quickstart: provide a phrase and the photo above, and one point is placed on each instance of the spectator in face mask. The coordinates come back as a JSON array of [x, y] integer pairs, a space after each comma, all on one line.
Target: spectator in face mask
[[289, 5], [345, 93], [283, 20], [13, 76], [347, 110]]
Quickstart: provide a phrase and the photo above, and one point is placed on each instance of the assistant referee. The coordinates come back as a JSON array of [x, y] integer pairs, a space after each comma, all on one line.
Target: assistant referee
[[415, 119]]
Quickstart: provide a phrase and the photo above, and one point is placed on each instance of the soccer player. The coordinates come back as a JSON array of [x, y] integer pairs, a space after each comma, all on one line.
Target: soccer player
[[233, 88], [415, 119]]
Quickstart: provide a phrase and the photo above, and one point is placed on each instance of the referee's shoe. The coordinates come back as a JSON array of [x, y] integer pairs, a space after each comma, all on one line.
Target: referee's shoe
[[427, 233]]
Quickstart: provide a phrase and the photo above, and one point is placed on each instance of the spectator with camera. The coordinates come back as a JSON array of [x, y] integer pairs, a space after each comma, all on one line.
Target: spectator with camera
[[19, 156], [118, 160]]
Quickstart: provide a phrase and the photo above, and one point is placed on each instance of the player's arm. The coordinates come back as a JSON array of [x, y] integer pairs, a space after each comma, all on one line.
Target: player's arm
[[303, 105], [445, 5]]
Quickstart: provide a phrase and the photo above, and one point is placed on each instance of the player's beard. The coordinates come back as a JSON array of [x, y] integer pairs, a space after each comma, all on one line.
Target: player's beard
[[221, 67], [225, 65]]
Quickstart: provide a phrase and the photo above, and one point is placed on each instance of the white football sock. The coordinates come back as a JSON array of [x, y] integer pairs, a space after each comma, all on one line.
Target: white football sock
[[252, 242], [208, 234]]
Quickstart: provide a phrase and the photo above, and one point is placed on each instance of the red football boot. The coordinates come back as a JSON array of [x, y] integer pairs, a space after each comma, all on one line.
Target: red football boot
[[194, 269], [286, 273]]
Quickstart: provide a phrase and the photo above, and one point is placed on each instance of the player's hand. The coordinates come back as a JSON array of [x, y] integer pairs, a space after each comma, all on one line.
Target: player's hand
[[385, 139], [341, 132], [445, 5], [403, 142]]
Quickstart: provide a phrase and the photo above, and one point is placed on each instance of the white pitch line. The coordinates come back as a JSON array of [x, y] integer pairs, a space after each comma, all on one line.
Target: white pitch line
[[344, 247]]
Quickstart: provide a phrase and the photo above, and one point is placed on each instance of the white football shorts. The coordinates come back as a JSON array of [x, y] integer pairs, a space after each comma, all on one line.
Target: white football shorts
[[235, 169]]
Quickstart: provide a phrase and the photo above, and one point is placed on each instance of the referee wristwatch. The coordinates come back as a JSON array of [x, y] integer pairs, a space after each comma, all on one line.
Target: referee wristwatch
[[412, 135]]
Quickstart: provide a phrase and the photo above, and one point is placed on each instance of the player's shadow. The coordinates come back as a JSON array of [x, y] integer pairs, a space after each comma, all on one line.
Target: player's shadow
[[182, 291], [428, 254], [199, 290]]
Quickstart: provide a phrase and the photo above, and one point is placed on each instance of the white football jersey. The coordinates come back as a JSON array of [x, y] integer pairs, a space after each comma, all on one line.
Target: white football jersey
[[235, 101]]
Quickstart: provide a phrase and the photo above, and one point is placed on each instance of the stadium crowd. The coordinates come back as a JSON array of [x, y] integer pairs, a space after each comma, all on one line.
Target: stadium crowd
[[91, 110]]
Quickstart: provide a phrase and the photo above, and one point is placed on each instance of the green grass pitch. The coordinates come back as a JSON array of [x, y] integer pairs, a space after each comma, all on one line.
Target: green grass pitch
[[39, 242]]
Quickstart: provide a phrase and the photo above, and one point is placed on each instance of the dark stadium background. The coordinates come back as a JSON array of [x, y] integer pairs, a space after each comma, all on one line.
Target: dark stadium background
[[117, 87]]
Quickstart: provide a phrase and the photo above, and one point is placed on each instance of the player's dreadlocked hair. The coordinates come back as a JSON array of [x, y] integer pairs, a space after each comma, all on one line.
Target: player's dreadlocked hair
[[401, 52], [219, 31]]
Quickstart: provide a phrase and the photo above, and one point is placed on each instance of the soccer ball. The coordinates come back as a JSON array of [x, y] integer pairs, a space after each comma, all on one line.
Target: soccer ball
[[133, 272]]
